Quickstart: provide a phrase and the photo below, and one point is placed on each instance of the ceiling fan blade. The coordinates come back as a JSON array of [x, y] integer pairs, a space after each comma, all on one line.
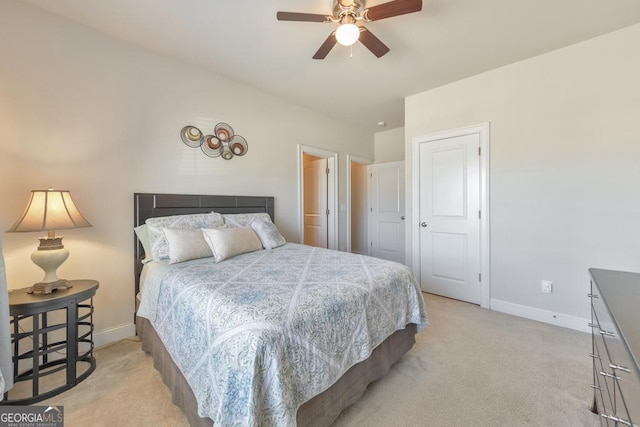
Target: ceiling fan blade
[[373, 43], [392, 8], [326, 47], [306, 17]]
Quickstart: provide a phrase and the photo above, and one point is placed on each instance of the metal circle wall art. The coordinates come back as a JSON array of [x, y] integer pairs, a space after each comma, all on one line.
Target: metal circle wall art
[[223, 143], [223, 131], [211, 146], [238, 145], [191, 136]]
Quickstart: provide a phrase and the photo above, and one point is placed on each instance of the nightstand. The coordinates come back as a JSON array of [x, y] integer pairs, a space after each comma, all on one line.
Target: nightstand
[[59, 326]]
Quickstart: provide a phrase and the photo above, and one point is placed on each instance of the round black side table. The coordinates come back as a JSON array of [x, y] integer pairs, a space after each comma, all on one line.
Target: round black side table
[[51, 333]]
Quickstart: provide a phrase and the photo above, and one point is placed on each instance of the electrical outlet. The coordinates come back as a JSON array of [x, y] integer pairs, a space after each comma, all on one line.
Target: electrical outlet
[[546, 286]]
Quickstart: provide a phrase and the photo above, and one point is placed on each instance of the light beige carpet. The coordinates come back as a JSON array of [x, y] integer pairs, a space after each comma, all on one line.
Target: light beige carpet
[[470, 367]]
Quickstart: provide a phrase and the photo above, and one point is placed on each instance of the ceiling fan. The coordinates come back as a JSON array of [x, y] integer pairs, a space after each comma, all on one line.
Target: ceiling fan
[[347, 13]]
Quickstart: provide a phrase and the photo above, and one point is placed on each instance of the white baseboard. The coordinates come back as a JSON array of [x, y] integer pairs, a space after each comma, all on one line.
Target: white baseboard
[[115, 334], [546, 316]]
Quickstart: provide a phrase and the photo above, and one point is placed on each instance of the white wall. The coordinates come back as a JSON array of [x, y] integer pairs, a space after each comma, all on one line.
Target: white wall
[[565, 167], [389, 145], [88, 113]]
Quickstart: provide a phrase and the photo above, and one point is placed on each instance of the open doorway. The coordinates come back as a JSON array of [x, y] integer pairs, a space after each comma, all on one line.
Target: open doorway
[[317, 200], [357, 204]]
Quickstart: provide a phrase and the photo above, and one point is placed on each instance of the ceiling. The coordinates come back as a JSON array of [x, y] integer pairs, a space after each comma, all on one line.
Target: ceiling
[[447, 41]]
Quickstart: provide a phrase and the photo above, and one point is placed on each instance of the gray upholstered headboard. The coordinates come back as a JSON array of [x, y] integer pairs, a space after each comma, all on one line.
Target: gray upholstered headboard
[[151, 205]]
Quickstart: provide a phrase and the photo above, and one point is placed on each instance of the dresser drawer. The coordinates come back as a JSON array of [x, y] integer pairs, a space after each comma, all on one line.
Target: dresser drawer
[[615, 365], [616, 375], [602, 323], [628, 404], [601, 399], [603, 380]]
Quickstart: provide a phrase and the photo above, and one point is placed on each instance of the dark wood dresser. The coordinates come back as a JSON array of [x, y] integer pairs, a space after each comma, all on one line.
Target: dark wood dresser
[[615, 325]]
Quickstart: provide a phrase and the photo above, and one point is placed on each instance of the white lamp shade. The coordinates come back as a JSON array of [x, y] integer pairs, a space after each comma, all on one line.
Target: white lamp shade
[[347, 34], [50, 210]]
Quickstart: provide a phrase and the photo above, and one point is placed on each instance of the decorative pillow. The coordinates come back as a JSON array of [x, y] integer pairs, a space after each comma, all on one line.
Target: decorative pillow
[[268, 234], [143, 235], [228, 242], [159, 244], [245, 219], [186, 244]]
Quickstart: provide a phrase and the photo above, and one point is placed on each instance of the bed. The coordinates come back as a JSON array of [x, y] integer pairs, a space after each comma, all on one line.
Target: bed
[[304, 363]]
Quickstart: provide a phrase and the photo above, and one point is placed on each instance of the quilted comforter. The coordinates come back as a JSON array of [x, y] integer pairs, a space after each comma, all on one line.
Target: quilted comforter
[[258, 335]]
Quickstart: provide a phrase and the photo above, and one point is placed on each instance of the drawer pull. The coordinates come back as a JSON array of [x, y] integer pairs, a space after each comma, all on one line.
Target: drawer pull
[[607, 333], [593, 325], [605, 374], [619, 368], [595, 356], [616, 419], [593, 296], [596, 387]]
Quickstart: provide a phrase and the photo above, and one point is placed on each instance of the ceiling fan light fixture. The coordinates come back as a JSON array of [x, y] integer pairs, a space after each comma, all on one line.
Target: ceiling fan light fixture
[[347, 34]]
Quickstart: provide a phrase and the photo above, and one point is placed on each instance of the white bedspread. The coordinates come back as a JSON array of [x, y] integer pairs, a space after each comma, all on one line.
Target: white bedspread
[[258, 335]]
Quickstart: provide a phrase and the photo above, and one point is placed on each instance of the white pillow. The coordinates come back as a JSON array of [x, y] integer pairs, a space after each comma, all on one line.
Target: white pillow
[[143, 235], [228, 242], [186, 244], [159, 244], [268, 234]]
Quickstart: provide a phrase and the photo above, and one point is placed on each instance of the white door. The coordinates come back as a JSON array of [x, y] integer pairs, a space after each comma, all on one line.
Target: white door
[[315, 201], [449, 211], [386, 217]]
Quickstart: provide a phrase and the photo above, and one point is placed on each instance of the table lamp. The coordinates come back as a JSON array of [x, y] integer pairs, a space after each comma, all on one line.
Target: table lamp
[[49, 210]]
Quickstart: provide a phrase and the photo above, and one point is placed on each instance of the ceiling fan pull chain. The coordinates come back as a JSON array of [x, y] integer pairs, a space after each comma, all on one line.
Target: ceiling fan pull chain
[[351, 55]]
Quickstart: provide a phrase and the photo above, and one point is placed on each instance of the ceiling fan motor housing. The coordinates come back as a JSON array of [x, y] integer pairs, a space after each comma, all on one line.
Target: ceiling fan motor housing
[[344, 8]]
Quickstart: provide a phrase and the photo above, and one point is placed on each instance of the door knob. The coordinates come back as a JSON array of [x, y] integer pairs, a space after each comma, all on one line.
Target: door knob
[[423, 224], [402, 217]]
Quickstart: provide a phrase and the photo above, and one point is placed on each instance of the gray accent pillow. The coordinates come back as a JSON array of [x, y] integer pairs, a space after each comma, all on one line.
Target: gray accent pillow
[[268, 234], [245, 219]]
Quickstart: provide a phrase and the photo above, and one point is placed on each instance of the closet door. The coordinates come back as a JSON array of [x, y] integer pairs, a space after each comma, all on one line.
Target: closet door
[[450, 217]]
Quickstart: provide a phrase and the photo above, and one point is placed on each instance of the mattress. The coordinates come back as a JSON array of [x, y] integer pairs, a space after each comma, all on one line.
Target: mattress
[[258, 335]]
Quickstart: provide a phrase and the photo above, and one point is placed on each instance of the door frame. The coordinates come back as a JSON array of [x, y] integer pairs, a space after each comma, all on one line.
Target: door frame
[[332, 192], [363, 161], [483, 130]]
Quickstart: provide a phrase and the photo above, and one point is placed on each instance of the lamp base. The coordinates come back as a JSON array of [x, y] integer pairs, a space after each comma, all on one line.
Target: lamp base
[[48, 287], [49, 256]]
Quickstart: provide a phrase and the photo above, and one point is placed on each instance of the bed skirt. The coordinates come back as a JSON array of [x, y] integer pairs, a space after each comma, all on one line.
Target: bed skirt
[[321, 410]]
